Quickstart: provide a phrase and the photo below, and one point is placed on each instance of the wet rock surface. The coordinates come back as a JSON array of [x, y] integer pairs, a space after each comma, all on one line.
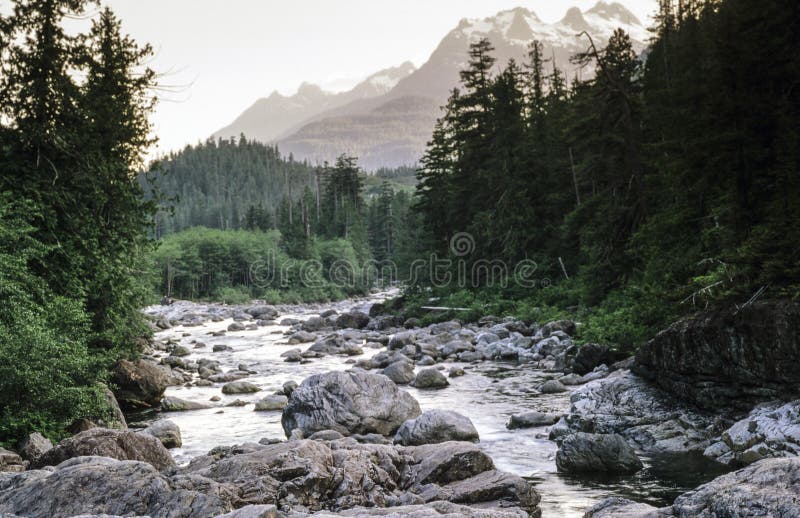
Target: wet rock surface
[[348, 402], [597, 453], [103, 442], [435, 426], [728, 358]]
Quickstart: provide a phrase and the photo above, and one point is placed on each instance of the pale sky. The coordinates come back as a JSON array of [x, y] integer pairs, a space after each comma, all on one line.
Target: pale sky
[[217, 57]]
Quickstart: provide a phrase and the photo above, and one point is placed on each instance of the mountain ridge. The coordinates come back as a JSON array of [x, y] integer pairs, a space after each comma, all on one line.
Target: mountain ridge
[[381, 142]]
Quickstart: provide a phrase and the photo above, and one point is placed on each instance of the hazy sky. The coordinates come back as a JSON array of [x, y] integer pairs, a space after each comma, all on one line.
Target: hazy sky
[[218, 57]]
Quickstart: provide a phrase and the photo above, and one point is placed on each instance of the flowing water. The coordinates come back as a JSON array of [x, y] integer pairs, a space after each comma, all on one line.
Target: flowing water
[[488, 394]]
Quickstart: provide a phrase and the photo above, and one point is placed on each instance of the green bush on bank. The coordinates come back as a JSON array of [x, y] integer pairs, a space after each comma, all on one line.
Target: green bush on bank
[[234, 266]]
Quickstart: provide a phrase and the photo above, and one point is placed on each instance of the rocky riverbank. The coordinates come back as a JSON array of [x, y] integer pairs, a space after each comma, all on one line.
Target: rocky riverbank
[[380, 415]]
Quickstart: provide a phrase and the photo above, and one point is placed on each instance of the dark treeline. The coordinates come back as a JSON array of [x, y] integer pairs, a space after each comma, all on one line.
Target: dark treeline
[[73, 220], [241, 183], [667, 181]]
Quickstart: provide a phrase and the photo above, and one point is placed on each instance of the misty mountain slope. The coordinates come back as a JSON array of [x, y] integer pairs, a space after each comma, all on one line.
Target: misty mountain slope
[[391, 138], [390, 134], [273, 117]]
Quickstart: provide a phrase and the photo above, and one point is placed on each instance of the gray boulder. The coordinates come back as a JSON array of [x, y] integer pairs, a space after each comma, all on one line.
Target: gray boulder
[[236, 326], [401, 372], [582, 359], [436, 426], [173, 404], [313, 324], [139, 384], [596, 453], [165, 431], [352, 320], [10, 462], [34, 445], [262, 311], [273, 402], [301, 337], [771, 430], [767, 488], [105, 486], [104, 442], [552, 387], [565, 326], [731, 357], [531, 420], [616, 507], [430, 378], [240, 387], [352, 402], [645, 415]]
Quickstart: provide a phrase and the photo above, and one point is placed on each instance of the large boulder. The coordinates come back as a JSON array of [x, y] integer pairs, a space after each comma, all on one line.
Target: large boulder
[[139, 384], [165, 431], [435, 426], [352, 402], [770, 487], [645, 415], [771, 430], [596, 453], [582, 359], [728, 358], [352, 320], [430, 378], [105, 486], [262, 311], [104, 442], [401, 372], [34, 445]]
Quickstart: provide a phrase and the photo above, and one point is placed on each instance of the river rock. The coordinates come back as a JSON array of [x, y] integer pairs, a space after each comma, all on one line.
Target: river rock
[[236, 326], [227, 377], [301, 337], [435, 426], [313, 324], [174, 404], [596, 453], [262, 311], [218, 348], [448, 462], [274, 402], [34, 445], [770, 487], [566, 326], [729, 357], [531, 420], [582, 359], [616, 507], [771, 430], [645, 415], [10, 461], [240, 387], [348, 402], [105, 486], [289, 387], [552, 387], [400, 340], [352, 320], [139, 384], [401, 372], [430, 378], [165, 431], [336, 344], [104, 442]]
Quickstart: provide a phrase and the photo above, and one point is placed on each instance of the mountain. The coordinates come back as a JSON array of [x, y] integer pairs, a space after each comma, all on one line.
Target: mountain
[[273, 117], [392, 128]]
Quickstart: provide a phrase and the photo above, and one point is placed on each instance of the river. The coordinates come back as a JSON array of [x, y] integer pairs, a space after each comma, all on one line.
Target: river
[[488, 394]]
